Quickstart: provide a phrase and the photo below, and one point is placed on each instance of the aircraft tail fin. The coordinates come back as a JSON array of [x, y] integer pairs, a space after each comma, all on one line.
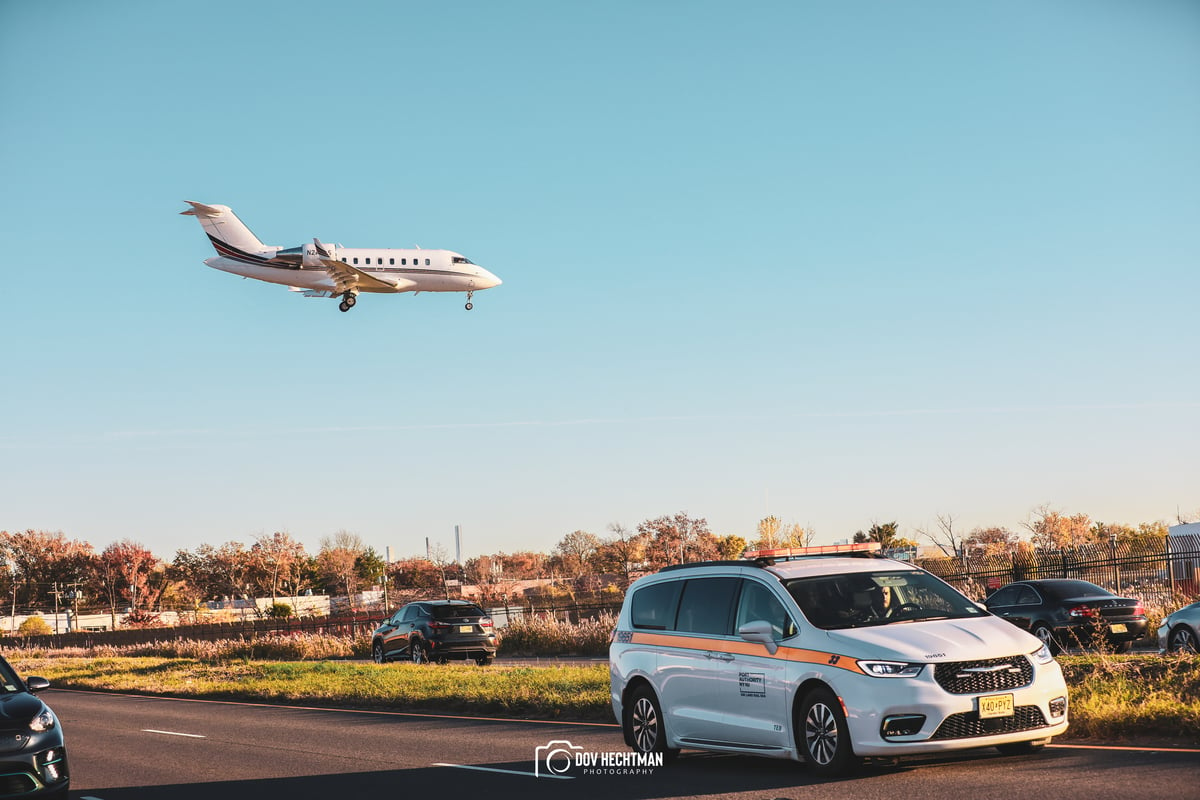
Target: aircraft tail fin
[[229, 235]]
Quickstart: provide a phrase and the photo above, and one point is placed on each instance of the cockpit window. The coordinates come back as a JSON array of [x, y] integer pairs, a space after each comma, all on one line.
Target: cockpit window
[[461, 260]]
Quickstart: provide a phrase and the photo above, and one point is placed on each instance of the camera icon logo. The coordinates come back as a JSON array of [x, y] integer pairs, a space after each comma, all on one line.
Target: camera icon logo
[[554, 758]]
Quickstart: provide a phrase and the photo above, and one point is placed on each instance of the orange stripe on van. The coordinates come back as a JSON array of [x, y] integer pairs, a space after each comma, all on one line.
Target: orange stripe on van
[[685, 642]]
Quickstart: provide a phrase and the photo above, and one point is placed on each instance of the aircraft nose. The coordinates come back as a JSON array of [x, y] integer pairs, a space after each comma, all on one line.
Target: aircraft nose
[[487, 280]]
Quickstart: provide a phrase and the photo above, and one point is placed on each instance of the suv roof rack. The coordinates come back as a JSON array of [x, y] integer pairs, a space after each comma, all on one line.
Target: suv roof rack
[[744, 562], [858, 550]]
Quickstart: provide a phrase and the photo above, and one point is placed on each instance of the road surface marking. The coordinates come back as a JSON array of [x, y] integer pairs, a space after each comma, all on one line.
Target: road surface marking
[[507, 771], [174, 733]]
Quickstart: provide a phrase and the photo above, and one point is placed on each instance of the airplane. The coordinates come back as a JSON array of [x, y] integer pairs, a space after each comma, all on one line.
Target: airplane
[[326, 270]]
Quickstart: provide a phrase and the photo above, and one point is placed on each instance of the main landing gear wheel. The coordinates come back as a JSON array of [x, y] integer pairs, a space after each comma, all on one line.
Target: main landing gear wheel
[[348, 301]]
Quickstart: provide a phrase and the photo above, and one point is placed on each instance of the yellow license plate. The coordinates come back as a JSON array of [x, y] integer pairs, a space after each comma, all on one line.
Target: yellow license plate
[[996, 705], [1118, 627], [466, 628]]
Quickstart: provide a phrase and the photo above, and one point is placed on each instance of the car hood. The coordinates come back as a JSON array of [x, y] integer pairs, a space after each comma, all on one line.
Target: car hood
[[936, 640], [19, 707]]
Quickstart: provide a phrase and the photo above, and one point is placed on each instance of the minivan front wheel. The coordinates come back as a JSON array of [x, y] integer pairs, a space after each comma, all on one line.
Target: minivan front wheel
[[824, 736], [643, 724]]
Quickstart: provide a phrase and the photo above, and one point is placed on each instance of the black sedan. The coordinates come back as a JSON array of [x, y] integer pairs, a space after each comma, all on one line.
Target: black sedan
[[33, 761], [436, 630], [1067, 612]]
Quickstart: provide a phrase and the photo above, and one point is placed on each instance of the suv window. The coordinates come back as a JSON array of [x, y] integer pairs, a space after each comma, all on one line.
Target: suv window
[[706, 605], [654, 605], [411, 613], [758, 603], [453, 612]]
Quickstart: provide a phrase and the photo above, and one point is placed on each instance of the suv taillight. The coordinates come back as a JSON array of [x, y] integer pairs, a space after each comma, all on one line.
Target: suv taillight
[[438, 626], [485, 622]]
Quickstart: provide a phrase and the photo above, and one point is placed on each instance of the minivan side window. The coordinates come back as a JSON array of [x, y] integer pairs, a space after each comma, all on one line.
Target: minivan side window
[[758, 603], [654, 605], [706, 606]]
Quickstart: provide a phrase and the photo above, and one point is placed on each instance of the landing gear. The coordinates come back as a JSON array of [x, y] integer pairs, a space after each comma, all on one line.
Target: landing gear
[[348, 301], [469, 306]]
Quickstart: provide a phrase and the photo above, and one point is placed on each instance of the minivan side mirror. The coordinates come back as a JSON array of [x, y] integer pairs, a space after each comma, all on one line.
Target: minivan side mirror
[[760, 631], [35, 684]]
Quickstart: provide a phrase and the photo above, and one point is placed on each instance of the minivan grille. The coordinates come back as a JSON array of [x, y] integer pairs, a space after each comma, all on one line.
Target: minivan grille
[[968, 724], [977, 677]]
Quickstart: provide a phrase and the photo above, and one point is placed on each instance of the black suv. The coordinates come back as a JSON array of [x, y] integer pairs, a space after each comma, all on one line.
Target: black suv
[[33, 761], [436, 630]]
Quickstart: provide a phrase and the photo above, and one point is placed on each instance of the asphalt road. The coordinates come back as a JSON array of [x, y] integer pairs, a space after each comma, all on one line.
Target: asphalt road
[[133, 748]]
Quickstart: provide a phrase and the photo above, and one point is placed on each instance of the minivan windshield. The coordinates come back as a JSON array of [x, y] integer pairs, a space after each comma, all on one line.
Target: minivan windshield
[[866, 599]]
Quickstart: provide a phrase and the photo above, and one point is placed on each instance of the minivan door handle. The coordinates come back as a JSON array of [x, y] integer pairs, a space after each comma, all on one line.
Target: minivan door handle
[[718, 656]]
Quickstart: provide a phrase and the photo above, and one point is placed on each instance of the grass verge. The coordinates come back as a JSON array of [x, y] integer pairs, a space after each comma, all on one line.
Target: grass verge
[[1113, 698]]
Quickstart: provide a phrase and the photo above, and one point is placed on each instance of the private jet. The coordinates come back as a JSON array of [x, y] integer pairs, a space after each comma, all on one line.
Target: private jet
[[327, 270]]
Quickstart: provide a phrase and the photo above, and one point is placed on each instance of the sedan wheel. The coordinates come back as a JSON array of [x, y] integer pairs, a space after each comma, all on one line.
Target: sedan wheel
[[1182, 641]]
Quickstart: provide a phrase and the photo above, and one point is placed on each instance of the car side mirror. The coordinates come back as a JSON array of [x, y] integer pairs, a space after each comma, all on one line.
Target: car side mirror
[[35, 684], [760, 631]]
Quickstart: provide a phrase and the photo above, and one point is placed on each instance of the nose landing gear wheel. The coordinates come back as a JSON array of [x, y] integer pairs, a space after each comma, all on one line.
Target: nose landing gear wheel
[[469, 306]]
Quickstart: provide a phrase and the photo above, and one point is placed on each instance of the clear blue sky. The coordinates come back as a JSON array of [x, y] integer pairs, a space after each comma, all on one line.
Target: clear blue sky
[[836, 262]]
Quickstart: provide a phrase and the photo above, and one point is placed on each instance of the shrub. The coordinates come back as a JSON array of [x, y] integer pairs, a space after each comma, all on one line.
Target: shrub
[[545, 636], [34, 626], [280, 611]]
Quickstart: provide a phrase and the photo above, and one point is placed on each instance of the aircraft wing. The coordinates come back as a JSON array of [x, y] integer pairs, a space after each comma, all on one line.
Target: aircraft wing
[[345, 277], [349, 279]]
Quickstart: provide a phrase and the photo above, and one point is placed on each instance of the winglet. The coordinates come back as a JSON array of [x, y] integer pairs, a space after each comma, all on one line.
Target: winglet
[[201, 210]]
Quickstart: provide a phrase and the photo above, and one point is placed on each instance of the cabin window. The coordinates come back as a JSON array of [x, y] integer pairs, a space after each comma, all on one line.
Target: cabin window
[[391, 262], [404, 262], [379, 261], [427, 262], [355, 259]]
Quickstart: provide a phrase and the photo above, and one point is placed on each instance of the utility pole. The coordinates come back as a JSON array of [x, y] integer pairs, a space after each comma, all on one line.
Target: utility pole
[[58, 593]]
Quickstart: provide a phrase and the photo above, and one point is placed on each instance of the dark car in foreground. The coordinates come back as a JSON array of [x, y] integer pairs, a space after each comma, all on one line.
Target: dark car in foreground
[[436, 630], [1064, 612], [1180, 631], [33, 761]]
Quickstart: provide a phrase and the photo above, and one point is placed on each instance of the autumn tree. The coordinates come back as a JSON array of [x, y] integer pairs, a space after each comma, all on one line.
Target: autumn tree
[[338, 558], [731, 547], [1053, 530], [678, 539], [214, 572], [275, 561], [40, 559], [573, 554], [992, 541], [128, 571], [621, 554]]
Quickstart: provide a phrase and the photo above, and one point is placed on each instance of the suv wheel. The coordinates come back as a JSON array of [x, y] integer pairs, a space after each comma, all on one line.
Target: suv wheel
[[643, 724], [377, 653], [416, 651], [824, 737]]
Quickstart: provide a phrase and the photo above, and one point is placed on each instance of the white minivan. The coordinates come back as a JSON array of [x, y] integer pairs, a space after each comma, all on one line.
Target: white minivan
[[825, 659]]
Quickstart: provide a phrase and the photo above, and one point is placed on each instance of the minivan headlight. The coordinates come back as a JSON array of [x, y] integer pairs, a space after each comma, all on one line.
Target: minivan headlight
[[891, 669], [42, 722], [1042, 656]]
